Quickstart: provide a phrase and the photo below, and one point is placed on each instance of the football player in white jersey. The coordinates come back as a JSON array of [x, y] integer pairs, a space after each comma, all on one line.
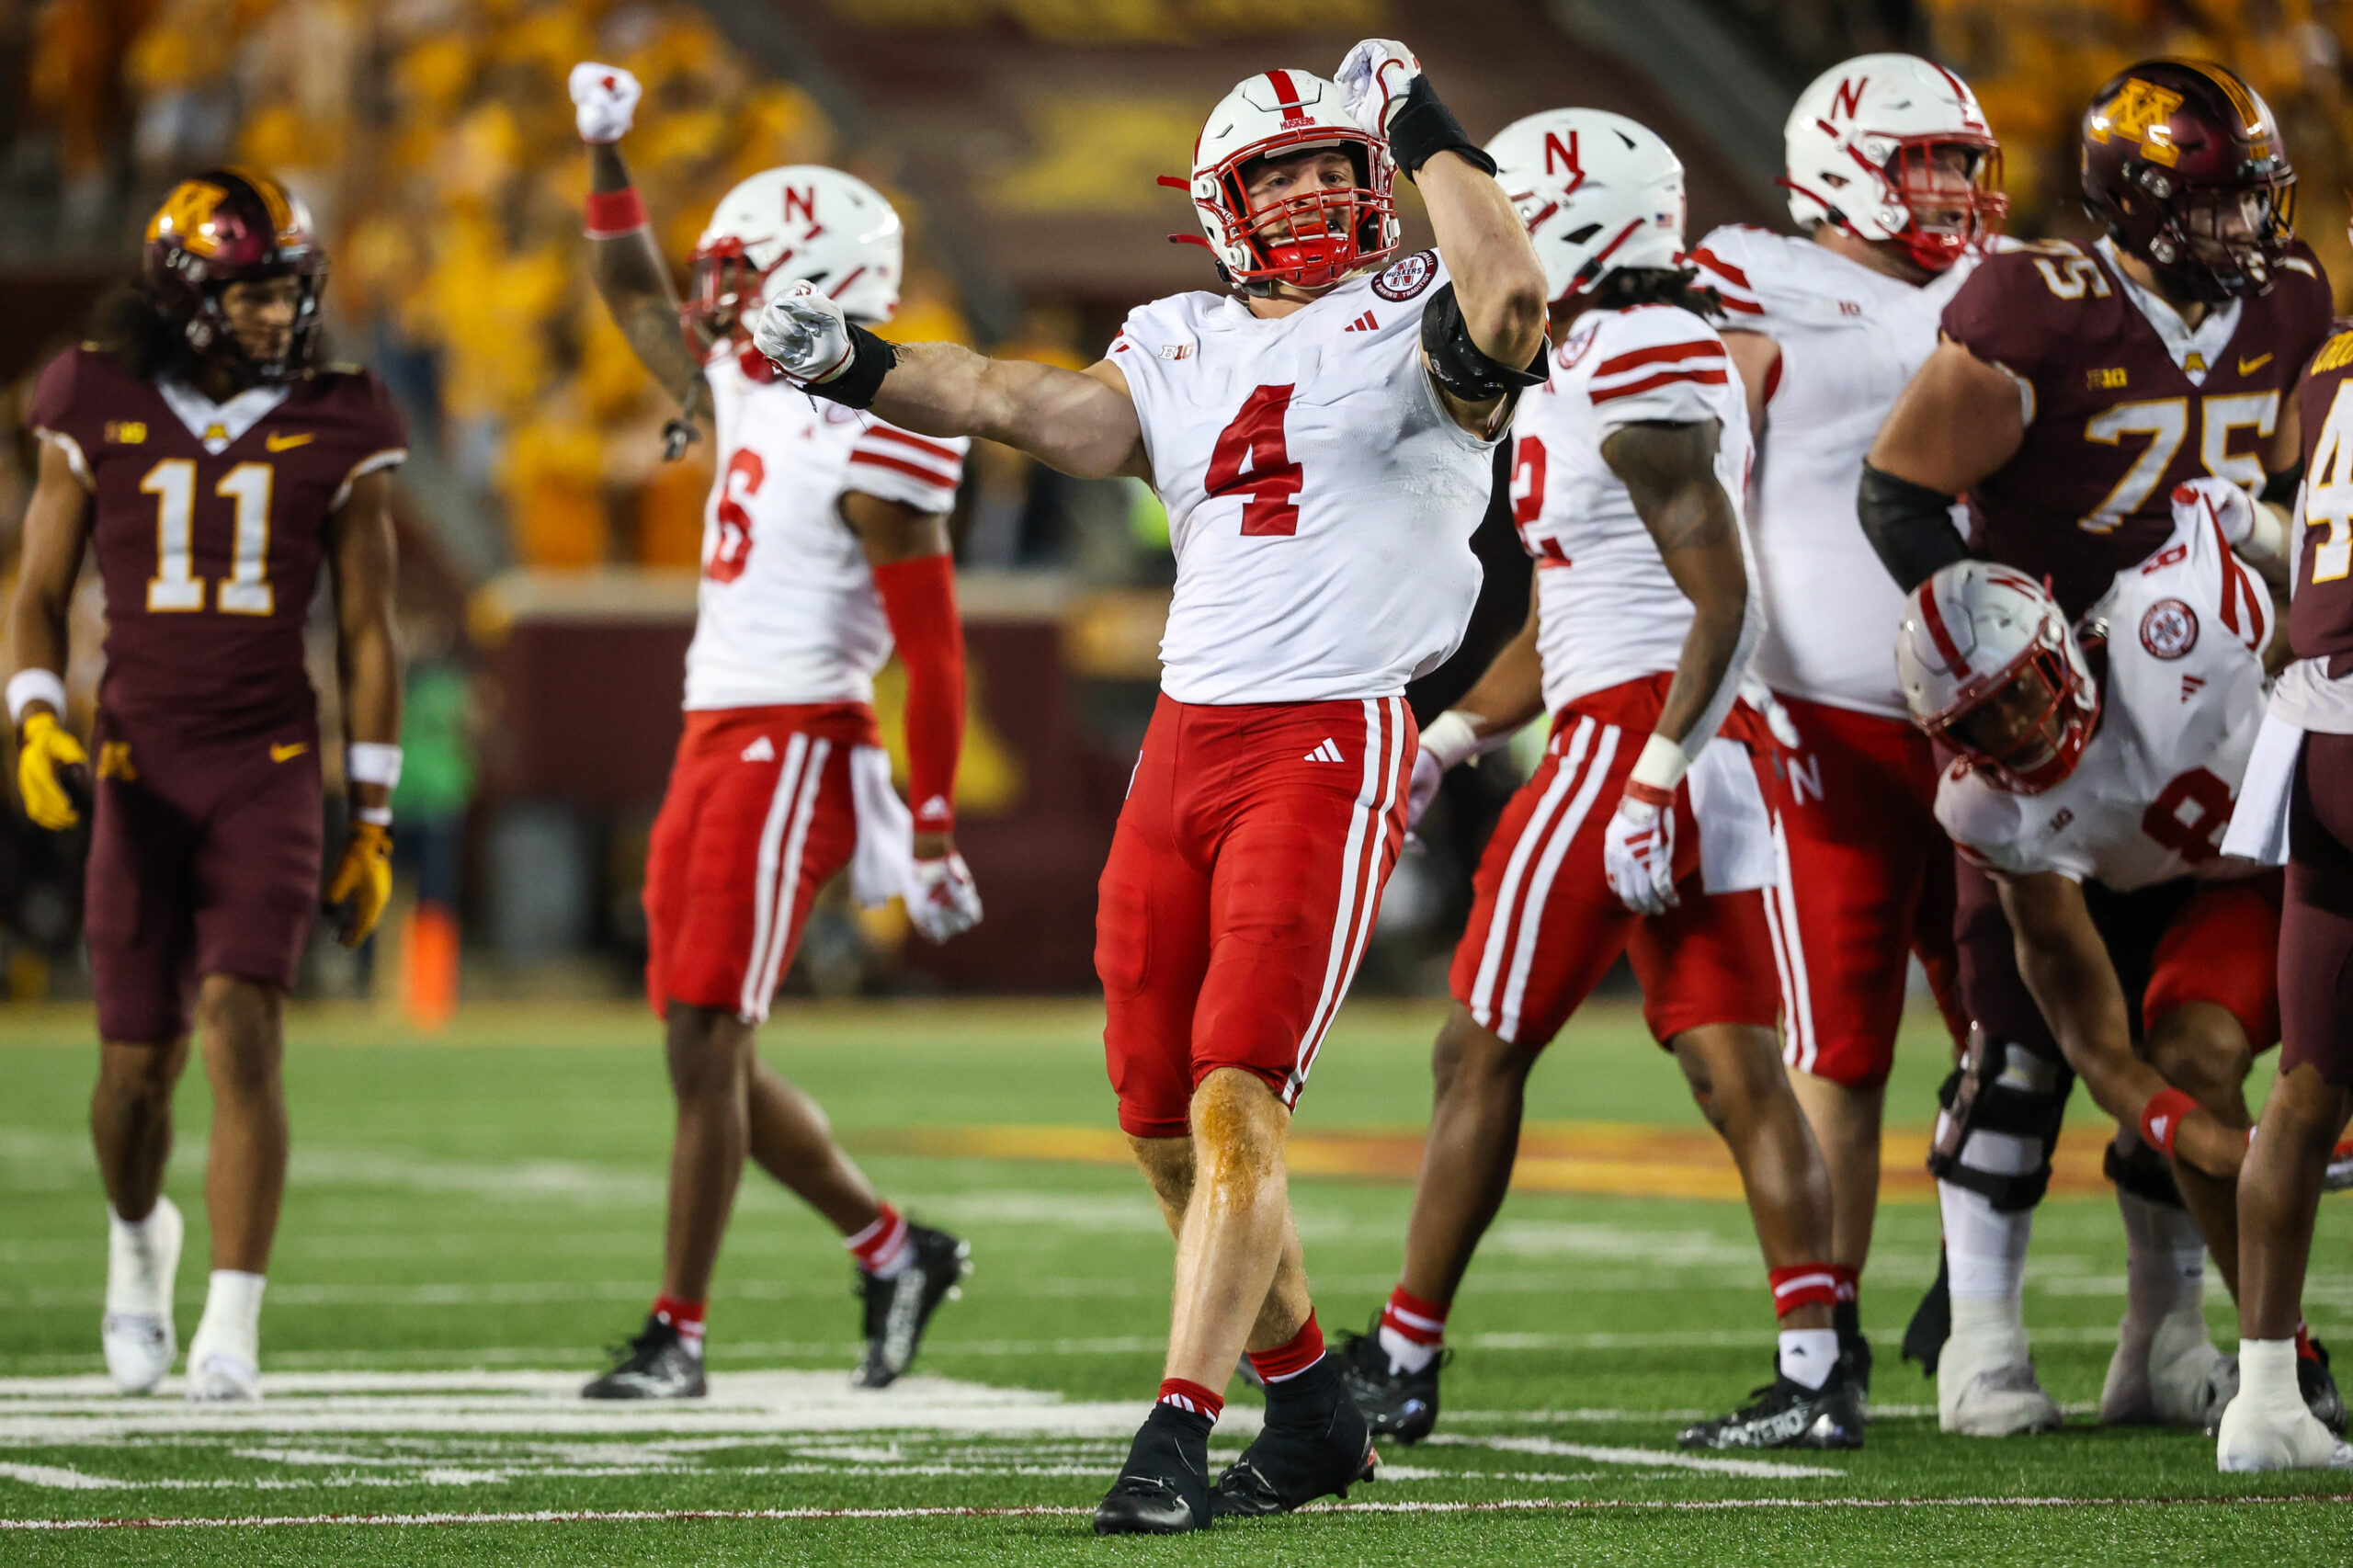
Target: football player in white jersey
[[1894, 185], [1322, 434], [825, 542], [2072, 781], [1644, 831]]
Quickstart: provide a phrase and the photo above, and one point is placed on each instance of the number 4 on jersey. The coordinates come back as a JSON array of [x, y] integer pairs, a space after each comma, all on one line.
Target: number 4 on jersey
[[1252, 458]]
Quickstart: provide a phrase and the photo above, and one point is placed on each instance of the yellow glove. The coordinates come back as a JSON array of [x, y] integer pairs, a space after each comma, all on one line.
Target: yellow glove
[[363, 883], [52, 769]]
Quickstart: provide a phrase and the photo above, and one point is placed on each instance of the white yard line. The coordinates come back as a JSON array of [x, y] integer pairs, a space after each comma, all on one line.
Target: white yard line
[[1654, 1457]]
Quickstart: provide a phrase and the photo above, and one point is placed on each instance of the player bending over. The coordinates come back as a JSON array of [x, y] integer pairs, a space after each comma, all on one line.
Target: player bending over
[[1322, 436], [2092, 767], [2295, 808], [824, 543], [2075, 389], [1894, 183], [1628, 470], [215, 468]]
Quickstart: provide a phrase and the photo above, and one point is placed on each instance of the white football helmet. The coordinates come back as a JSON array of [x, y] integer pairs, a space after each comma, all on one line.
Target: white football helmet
[[1978, 635], [1597, 190], [1894, 147], [782, 226], [1320, 237]]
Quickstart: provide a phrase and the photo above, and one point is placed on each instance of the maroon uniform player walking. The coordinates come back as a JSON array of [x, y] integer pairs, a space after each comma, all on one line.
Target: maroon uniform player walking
[[215, 471]]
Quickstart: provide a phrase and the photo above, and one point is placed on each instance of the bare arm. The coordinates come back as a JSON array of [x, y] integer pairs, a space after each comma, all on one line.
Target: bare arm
[[1081, 422], [361, 559], [2066, 969], [1511, 692], [634, 282], [1669, 470], [57, 529], [1754, 354], [1497, 280], [1958, 421]]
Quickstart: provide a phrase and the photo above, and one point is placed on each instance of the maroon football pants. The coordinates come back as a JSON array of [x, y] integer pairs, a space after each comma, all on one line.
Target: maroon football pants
[[2316, 925]]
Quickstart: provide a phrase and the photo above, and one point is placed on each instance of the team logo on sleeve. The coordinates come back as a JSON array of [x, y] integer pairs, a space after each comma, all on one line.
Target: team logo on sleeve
[[2169, 629], [1407, 277]]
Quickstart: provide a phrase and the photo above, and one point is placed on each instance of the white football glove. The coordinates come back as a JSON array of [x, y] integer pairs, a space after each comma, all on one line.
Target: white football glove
[[804, 334], [1428, 771], [1638, 854], [605, 97], [1373, 79], [943, 901], [2219, 499]]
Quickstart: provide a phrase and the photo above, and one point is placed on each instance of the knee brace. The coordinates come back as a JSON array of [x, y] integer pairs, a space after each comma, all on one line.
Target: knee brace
[[2002, 1109]]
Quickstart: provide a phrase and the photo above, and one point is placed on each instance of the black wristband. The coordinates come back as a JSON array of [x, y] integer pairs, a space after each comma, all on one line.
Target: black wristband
[[1909, 526], [1424, 128], [2281, 488], [870, 359], [1460, 366]]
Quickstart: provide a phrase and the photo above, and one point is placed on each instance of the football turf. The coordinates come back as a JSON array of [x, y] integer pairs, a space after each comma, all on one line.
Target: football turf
[[471, 1219]]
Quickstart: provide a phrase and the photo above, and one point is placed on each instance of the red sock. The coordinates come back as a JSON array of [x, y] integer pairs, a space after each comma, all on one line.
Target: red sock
[[1844, 1282], [1293, 1355], [1804, 1284], [684, 1316], [1191, 1397], [880, 1248], [1410, 1318], [2305, 1342]]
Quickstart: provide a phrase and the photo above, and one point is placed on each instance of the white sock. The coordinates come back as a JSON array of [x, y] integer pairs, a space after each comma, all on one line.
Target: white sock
[[135, 1286], [2165, 1269], [1985, 1249], [1808, 1354], [2267, 1373], [1406, 1356], [232, 1320]]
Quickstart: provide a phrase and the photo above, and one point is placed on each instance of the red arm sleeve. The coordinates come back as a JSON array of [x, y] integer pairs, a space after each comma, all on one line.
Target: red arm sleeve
[[919, 601]]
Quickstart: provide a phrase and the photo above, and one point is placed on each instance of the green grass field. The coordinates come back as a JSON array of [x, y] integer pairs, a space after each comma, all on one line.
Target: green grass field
[[471, 1219]]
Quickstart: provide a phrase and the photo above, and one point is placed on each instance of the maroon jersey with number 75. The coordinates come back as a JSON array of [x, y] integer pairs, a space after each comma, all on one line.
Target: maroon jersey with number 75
[[210, 523]]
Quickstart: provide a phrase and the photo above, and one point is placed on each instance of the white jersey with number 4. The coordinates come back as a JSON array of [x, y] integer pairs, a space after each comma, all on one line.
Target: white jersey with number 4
[[1850, 339], [2180, 702], [1320, 498], [787, 612], [1607, 611]]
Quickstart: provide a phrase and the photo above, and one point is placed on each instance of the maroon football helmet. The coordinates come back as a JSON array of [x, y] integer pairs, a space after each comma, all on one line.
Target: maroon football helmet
[[2184, 165], [227, 226]]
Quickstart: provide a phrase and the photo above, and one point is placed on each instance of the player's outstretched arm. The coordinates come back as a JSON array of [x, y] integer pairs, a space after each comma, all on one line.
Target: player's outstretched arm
[[2066, 969], [51, 765], [362, 562], [1958, 421]]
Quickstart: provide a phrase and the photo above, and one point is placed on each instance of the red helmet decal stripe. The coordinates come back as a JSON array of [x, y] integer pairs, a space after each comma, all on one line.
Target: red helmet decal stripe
[[1627, 232], [1961, 98], [1287, 95], [1932, 616], [1719, 266], [854, 274]]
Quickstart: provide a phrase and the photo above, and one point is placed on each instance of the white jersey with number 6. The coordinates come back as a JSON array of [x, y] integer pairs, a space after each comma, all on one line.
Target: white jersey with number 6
[[1320, 498], [787, 612], [2180, 702], [1609, 611]]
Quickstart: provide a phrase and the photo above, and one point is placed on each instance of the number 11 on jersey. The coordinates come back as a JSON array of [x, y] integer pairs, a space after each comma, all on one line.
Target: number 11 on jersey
[[175, 587]]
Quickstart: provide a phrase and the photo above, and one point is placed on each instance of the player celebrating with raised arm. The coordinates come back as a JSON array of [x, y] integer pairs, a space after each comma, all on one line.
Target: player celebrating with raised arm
[[1628, 466], [1894, 183], [215, 469], [2075, 389], [1321, 436], [825, 542]]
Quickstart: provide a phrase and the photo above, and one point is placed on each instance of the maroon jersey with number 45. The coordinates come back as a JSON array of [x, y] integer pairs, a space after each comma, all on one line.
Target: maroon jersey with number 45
[[2127, 403], [210, 524]]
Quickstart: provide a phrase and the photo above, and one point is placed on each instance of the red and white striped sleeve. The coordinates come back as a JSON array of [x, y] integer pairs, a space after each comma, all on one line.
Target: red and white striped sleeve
[[1658, 365], [1722, 259], [922, 472]]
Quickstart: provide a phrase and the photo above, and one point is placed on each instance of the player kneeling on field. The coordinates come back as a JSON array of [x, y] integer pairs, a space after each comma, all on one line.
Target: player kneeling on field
[[2093, 765]]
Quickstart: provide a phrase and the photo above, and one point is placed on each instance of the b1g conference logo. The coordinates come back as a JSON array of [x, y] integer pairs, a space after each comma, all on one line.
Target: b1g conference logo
[[2169, 629], [1407, 277]]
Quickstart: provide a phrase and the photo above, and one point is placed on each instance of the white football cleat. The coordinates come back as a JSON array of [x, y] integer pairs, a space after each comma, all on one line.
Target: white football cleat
[[1986, 1388], [2269, 1437], [2168, 1376], [136, 1332], [224, 1358], [222, 1376]]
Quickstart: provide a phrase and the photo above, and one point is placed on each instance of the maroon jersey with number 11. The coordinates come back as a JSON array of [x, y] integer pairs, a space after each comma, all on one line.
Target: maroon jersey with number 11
[[210, 526]]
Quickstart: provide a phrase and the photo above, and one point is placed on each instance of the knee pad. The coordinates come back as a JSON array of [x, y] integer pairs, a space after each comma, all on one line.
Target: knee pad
[[2144, 1173], [2002, 1109]]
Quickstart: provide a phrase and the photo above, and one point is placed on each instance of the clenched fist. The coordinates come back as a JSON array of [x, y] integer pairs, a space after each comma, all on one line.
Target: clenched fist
[[942, 899], [605, 99], [804, 334], [1373, 80], [51, 768]]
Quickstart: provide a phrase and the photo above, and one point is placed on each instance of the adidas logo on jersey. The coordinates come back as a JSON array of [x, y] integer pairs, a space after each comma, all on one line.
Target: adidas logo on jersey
[[759, 751], [1363, 324], [1327, 751], [2190, 686]]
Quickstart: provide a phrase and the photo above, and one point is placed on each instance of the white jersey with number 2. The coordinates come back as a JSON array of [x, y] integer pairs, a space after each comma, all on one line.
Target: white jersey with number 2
[[1320, 498]]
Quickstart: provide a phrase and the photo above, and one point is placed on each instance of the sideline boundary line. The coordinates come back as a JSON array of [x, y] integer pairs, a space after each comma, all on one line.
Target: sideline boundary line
[[1502, 1506]]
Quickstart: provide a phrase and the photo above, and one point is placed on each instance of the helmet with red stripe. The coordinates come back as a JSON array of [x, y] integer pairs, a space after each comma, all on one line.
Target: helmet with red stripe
[[799, 223], [1892, 147], [1597, 191], [1989, 666], [1312, 240]]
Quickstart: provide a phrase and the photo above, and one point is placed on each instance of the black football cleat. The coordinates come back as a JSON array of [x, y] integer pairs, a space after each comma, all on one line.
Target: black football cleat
[[2318, 1386], [1855, 1365], [1163, 1489], [897, 1308], [1786, 1415], [655, 1364], [1403, 1406], [1318, 1448]]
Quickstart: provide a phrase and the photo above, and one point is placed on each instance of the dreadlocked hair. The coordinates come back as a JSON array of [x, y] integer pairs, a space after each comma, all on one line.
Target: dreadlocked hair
[[127, 327], [1630, 286]]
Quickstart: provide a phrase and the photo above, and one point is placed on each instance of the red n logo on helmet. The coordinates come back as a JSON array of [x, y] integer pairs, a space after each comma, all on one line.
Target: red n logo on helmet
[[1566, 159], [805, 200], [1848, 100]]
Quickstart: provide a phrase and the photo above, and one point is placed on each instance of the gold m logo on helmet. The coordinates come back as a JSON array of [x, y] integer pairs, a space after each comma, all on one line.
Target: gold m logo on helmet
[[187, 213], [2141, 111]]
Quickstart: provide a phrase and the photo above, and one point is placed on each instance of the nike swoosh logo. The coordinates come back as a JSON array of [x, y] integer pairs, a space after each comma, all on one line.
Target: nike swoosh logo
[[2249, 367], [278, 443], [288, 753]]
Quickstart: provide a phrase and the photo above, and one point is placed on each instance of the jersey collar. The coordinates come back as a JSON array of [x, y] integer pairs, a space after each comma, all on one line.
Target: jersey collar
[[2194, 353], [218, 424]]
